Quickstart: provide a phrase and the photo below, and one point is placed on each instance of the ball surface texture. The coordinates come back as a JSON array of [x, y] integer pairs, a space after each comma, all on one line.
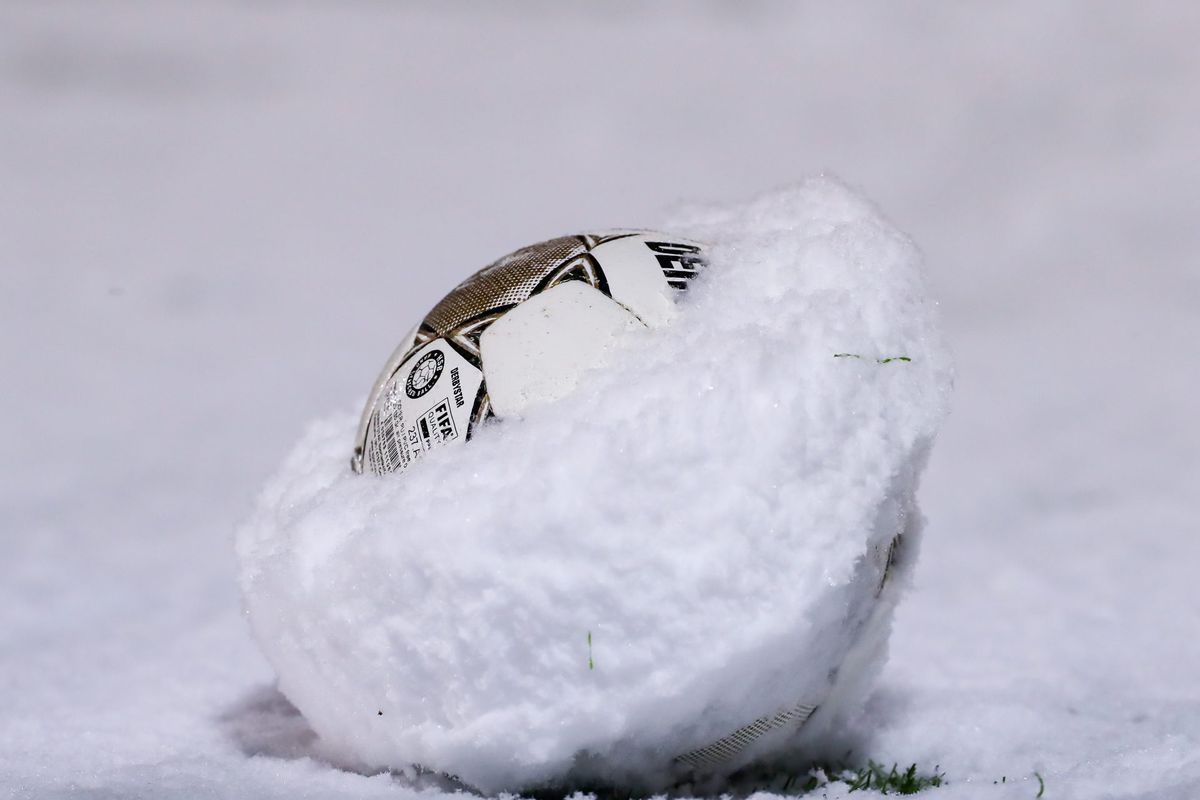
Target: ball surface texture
[[518, 333]]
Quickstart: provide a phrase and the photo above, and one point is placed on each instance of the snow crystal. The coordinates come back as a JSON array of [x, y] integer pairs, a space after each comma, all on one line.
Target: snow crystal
[[692, 540]]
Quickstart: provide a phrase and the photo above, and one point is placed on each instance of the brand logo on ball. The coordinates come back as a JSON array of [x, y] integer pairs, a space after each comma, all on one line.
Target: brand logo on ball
[[425, 374]]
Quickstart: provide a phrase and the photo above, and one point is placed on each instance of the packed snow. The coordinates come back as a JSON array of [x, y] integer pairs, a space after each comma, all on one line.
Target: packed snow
[[709, 519], [218, 218]]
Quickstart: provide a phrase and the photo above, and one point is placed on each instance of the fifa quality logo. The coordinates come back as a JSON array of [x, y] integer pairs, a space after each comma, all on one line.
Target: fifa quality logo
[[424, 374]]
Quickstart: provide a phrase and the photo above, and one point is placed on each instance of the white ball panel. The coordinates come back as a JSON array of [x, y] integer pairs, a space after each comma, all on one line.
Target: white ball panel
[[536, 353], [635, 277]]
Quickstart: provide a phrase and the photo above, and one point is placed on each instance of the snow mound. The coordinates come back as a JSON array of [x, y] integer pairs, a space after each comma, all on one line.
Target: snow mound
[[702, 537]]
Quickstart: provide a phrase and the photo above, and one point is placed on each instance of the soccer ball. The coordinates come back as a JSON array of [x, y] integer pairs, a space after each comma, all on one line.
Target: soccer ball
[[724, 510], [516, 334]]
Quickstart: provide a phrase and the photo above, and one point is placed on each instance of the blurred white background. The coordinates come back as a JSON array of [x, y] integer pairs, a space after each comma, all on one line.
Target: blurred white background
[[216, 219]]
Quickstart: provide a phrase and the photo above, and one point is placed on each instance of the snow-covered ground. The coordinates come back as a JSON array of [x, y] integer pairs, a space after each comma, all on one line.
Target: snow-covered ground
[[216, 220]]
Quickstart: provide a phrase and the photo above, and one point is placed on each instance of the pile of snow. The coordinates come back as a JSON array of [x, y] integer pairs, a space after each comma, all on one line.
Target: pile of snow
[[714, 512]]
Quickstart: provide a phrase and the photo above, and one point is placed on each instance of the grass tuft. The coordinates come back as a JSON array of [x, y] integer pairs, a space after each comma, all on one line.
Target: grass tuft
[[891, 781], [873, 776], [887, 360]]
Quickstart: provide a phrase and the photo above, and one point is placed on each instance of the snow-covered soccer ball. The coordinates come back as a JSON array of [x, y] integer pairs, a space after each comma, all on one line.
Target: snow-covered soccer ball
[[518, 333], [686, 563]]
